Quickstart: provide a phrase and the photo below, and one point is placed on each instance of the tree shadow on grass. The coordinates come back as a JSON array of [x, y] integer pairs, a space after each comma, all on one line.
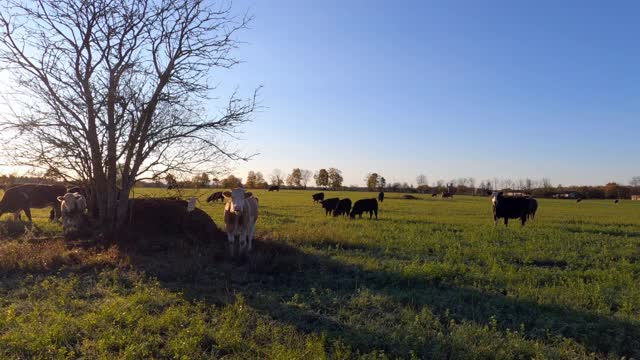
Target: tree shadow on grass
[[276, 273], [319, 294]]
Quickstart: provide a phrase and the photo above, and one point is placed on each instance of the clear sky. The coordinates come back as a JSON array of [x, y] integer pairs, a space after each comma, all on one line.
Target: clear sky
[[452, 88]]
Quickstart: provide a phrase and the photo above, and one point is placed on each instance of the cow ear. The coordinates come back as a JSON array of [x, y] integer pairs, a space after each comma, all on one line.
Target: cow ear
[[248, 195], [227, 194]]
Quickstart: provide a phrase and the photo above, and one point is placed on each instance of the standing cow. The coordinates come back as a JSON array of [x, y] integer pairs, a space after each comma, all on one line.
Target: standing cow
[[25, 197], [364, 205], [507, 207], [274, 188], [381, 196], [343, 207], [215, 197], [318, 197], [329, 205], [240, 216]]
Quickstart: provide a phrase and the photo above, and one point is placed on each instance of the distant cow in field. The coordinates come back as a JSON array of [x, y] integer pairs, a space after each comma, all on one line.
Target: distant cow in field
[[240, 216], [25, 197], [434, 194], [579, 200], [381, 196], [447, 195], [318, 197], [365, 205], [616, 201], [274, 188], [329, 205], [215, 197], [507, 207], [342, 208]]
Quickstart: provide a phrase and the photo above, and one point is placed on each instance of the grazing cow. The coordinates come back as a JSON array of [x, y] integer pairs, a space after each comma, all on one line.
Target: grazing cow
[[329, 205], [25, 197], [447, 195], [533, 207], [617, 201], [274, 188], [215, 197], [579, 200], [318, 197], [240, 215], [365, 205], [434, 194], [343, 207], [507, 207], [381, 196]]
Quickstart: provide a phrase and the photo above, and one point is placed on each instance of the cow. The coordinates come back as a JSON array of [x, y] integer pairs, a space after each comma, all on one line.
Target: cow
[[342, 208], [616, 201], [215, 197], [318, 197], [72, 208], [240, 215], [364, 205], [447, 195], [381, 196], [25, 197], [507, 207], [329, 205], [274, 188], [533, 207], [579, 200], [434, 194]]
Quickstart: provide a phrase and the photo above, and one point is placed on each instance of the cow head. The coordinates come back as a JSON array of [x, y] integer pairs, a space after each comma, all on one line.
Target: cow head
[[495, 196], [236, 197]]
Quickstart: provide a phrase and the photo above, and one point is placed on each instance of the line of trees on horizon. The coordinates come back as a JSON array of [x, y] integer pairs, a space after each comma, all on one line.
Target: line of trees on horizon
[[332, 179]]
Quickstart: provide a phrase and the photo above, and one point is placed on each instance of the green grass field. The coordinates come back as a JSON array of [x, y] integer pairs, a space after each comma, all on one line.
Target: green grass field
[[431, 278]]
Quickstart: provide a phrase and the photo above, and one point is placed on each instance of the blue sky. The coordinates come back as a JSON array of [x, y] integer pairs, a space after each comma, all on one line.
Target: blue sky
[[449, 89]]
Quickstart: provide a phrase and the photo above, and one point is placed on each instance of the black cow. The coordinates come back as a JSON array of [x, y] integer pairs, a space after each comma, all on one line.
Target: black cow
[[343, 207], [215, 197], [329, 205], [580, 199], [318, 197], [447, 195], [533, 207], [274, 188], [434, 194], [365, 205], [381, 196], [507, 207], [617, 201]]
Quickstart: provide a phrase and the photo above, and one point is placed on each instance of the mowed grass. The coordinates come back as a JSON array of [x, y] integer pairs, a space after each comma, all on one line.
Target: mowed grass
[[431, 278]]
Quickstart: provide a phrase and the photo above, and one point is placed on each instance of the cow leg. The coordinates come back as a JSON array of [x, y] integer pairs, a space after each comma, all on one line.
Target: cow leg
[[506, 221], [242, 248], [252, 233], [376, 211], [231, 239], [27, 212], [523, 219]]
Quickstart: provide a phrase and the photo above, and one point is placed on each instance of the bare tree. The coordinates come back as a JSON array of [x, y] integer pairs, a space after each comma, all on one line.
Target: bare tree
[[306, 176], [108, 82], [276, 177], [635, 181]]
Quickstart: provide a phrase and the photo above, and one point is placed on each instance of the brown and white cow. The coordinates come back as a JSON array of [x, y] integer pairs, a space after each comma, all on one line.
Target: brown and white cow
[[240, 216], [73, 207]]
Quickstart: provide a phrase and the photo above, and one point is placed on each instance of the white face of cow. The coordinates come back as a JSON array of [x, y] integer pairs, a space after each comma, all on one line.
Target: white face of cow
[[237, 197]]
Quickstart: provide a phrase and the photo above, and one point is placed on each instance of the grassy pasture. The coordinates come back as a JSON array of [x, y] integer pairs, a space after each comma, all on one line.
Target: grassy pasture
[[432, 278]]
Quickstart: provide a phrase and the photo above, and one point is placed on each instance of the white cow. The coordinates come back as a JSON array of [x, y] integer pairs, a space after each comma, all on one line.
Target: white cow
[[240, 216]]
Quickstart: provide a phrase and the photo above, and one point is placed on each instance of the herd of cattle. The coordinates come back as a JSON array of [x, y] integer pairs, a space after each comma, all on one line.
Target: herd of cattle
[[240, 209], [342, 207]]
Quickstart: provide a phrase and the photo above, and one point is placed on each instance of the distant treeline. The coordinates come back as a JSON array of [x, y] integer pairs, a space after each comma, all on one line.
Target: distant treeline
[[332, 180]]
